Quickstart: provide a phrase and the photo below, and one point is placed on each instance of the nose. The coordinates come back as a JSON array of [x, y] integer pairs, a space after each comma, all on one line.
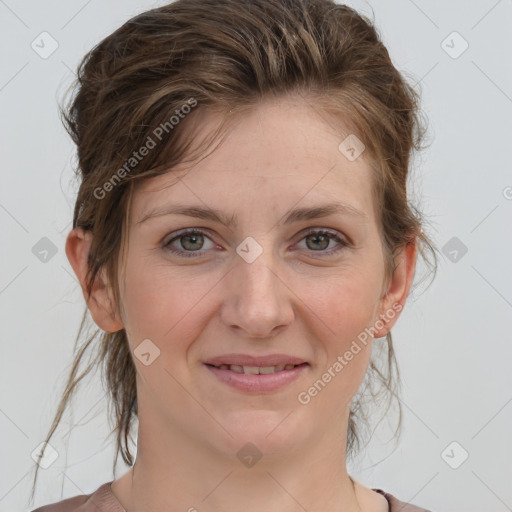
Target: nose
[[257, 299]]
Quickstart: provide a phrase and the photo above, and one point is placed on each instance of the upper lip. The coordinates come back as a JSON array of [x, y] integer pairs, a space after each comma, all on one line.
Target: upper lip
[[259, 361]]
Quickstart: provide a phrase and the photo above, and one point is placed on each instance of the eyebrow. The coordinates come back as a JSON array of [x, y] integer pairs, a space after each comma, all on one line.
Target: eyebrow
[[295, 215]]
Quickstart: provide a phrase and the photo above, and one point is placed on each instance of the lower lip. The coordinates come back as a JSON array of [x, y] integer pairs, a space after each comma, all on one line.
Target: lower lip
[[258, 383]]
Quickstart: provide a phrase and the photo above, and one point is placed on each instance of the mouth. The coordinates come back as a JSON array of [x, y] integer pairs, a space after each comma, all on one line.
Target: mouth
[[257, 370], [257, 379]]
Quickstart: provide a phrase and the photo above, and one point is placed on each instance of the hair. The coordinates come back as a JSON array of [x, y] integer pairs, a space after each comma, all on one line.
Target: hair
[[227, 56]]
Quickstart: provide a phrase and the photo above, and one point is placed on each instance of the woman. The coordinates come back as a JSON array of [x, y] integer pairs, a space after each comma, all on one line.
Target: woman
[[242, 234]]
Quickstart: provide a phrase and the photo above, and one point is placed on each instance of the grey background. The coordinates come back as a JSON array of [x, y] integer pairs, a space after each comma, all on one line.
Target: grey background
[[453, 341]]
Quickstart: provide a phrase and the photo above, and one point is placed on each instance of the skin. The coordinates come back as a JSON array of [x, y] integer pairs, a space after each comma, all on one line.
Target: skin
[[294, 299]]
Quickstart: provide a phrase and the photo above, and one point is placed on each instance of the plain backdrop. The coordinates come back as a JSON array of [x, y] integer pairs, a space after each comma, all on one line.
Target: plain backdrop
[[453, 340]]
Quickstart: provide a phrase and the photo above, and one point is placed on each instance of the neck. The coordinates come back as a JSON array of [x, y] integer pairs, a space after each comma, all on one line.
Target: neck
[[273, 489], [175, 472]]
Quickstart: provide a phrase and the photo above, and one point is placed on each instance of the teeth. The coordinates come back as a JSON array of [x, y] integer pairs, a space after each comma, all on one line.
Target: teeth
[[256, 370], [269, 369]]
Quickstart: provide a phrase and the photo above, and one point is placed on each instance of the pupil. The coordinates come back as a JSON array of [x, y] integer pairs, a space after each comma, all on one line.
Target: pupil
[[325, 239], [194, 239]]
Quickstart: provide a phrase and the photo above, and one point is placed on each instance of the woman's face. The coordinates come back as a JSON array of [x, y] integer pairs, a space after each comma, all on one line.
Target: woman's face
[[266, 284]]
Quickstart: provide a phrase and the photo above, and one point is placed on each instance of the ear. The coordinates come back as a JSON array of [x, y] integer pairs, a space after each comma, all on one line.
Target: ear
[[101, 302], [393, 301]]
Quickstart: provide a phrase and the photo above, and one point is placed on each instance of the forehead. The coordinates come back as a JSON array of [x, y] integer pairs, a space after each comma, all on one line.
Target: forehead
[[279, 154]]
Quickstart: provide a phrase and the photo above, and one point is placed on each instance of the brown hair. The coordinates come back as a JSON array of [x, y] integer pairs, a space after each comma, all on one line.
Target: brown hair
[[227, 56]]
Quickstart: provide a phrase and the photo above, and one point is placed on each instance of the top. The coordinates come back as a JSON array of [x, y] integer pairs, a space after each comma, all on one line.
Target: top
[[103, 500]]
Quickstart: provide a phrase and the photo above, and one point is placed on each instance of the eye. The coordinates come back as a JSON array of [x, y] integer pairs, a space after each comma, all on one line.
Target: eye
[[191, 242], [319, 239]]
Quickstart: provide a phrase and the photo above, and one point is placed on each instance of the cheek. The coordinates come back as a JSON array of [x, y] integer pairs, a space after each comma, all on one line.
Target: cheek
[[347, 301], [162, 303], [339, 374], [346, 305]]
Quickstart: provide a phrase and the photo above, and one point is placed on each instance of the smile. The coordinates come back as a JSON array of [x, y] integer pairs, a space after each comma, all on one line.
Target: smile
[[257, 379], [256, 370]]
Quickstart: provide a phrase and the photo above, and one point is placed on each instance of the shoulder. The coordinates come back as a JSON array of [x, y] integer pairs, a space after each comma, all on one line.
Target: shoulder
[[101, 500], [395, 505]]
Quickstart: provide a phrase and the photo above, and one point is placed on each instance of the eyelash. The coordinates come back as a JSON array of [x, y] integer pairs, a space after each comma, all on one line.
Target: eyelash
[[331, 234]]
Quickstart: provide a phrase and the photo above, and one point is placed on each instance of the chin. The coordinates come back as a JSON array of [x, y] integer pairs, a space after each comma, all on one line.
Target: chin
[[272, 432]]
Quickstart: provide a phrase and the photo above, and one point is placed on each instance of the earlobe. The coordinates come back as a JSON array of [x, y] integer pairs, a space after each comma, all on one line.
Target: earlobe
[[393, 302], [100, 302]]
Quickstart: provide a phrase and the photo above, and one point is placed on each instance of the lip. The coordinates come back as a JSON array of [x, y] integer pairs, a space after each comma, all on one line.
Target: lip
[[260, 383], [249, 360]]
